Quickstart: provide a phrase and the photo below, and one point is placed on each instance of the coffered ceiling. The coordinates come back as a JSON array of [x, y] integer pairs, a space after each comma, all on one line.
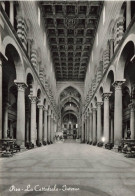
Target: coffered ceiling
[[71, 27]]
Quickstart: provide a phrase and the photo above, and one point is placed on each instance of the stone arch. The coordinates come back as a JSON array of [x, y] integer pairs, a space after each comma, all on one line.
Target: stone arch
[[109, 80], [69, 112], [100, 93], [91, 105], [39, 95], [66, 85], [64, 101], [9, 43], [111, 68], [30, 82], [29, 71], [45, 101], [127, 51], [95, 101], [34, 86]]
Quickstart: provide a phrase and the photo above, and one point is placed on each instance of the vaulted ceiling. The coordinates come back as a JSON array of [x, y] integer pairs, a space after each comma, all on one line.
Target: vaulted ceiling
[[70, 101], [71, 27]]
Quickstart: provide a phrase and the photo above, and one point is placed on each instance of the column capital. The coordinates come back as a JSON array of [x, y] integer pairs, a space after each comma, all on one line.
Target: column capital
[[99, 104], [132, 107], [94, 109], [45, 108], [20, 85], [107, 95], [112, 39], [40, 106], [118, 84], [33, 98]]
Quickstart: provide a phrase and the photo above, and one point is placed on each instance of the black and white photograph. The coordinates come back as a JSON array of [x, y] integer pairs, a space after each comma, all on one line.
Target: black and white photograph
[[67, 98]]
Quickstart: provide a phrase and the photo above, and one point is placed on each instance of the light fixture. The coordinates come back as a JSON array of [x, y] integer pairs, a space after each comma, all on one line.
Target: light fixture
[[103, 139]]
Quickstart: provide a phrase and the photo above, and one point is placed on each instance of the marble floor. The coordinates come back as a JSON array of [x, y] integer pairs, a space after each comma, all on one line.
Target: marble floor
[[67, 169]]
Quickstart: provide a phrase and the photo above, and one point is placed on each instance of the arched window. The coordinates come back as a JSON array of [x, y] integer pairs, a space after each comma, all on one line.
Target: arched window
[[132, 9], [123, 14], [7, 8], [15, 15]]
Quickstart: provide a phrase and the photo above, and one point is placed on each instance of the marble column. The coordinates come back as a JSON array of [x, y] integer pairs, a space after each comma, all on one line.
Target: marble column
[[45, 125], [54, 132], [91, 127], [40, 125], [21, 113], [6, 106], [0, 98], [77, 128], [52, 127], [94, 131], [11, 12], [112, 129], [88, 127], [11, 130], [85, 129], [106, 116], [27, 128], [118, 112], [128, 13], [77, 133], [33, 119], [82, 135], [99, 125], [132, 120], [49, 128]]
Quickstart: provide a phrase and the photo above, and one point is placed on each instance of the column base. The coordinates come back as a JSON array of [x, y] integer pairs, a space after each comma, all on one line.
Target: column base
[[20, 143], [48, 142], [100, 144], [94, 143], [44, 143], [29, 145], [38, 143], [34, 142], [115, 148], [108, 145], [22, 147]]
